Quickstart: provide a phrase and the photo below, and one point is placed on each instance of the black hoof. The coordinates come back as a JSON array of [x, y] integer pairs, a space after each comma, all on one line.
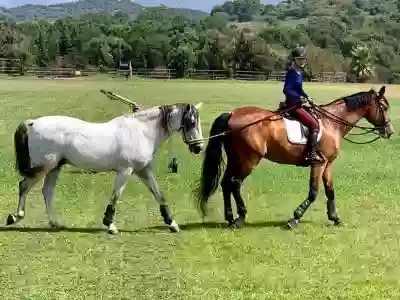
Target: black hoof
[[293, 223], [237, 223], [173, 229], [232, 225], [10, 219], [337, 223], [240, 222], [56, 225]]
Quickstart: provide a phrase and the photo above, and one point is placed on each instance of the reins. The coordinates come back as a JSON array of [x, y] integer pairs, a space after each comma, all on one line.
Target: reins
[[341, 121], [318, 109]]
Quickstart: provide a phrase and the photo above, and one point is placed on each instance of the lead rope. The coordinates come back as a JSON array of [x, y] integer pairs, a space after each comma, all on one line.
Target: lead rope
[[278, 113]]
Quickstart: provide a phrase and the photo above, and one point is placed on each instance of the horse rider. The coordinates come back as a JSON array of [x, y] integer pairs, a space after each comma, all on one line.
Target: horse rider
[[293, 90]]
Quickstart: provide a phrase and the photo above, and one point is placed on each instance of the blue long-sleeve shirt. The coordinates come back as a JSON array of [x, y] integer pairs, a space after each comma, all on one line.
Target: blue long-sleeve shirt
[[293, 88]]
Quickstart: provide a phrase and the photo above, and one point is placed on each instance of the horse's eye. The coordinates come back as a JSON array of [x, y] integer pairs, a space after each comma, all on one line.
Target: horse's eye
[[190, 121]]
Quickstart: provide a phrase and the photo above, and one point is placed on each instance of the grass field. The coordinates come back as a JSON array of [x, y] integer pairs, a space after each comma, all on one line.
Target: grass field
[[146, 261]]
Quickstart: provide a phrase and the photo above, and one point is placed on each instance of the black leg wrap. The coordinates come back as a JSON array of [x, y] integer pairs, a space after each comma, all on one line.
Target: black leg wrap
[[331, 210], [165, 214], [331, 204], [300, 210], [330, 194], [108, 215]]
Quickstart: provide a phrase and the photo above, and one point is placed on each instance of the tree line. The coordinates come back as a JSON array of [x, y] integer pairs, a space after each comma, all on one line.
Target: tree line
[[357, 37]]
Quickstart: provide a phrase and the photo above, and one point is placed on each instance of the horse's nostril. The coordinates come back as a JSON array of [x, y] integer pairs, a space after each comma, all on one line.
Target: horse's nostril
[[195, 148]]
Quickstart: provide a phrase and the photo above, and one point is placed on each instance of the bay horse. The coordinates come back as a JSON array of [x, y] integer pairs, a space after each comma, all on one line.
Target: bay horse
[[126, 144], [249, 134]]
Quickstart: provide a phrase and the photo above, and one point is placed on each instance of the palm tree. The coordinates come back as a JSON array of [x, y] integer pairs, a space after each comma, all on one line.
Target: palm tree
[[361, 63]]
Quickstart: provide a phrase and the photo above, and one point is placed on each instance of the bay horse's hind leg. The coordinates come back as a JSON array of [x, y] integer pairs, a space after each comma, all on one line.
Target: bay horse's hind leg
[[315, 180], [24, 186], [330, 194], [238, 171], [241, 207], [226, 184]]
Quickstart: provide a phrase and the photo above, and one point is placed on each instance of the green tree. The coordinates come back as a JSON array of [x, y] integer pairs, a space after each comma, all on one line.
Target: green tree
[[361, 65]]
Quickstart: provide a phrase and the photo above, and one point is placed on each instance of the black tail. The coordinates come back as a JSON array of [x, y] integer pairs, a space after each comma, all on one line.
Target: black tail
[[23, 159], [212, 164]]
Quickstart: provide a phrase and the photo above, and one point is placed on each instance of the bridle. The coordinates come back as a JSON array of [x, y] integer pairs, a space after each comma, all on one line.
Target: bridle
[[187, 122], [375, 130]]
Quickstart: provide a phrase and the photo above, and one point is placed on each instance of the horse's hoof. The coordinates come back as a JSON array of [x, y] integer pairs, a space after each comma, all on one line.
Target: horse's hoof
[[11, 219], [239, 222], [232, 225], [337, 223], [293, 223], [173, 227], [56, 225], [112, 229]]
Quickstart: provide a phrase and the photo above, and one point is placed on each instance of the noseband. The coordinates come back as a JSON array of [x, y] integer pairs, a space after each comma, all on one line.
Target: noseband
[[187, 122]]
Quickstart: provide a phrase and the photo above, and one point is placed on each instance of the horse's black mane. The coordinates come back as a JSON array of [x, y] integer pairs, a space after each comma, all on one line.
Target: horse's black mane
[[166, 111], [356, 100]]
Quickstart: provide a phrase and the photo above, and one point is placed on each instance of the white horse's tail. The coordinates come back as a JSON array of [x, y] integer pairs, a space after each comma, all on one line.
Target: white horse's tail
[[23, 159]]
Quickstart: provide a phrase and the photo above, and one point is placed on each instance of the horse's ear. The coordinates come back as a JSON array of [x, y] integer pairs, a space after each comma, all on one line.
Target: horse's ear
[[382, 91], [198, 105]]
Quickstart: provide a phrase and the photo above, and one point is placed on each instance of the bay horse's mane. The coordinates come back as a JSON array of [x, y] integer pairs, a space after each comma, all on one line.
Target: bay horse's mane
[[353, 101]]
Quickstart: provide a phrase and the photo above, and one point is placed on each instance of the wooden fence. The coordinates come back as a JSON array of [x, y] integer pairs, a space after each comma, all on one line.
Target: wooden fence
[[167, 74]]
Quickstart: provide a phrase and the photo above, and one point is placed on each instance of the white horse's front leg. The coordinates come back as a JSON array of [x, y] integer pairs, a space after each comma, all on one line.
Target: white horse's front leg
[[148, 178], [119, 186]]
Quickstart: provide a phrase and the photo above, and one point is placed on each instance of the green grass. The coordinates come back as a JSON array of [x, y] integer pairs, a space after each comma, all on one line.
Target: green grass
[[146, 261]]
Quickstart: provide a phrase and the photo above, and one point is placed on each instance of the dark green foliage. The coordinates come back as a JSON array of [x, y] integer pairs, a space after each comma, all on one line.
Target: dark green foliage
[[101, 33]]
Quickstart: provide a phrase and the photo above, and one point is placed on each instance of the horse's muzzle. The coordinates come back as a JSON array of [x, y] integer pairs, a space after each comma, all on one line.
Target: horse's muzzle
[[196, 148], [387, 132]]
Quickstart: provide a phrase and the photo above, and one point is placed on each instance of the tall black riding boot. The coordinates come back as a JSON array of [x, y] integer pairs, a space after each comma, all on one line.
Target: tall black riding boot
[[312, 154]]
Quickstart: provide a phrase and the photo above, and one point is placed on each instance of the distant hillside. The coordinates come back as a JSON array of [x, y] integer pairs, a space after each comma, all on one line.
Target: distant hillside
[[77, 8]]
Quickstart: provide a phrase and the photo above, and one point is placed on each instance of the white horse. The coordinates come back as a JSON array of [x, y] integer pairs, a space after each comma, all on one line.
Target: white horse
[[125, 144]]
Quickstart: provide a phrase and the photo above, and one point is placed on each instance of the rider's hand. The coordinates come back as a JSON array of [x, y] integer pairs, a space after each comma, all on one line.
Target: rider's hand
[[310, 100]]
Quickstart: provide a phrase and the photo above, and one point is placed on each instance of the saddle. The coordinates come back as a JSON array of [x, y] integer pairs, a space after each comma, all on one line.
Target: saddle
[[283, 106], [296, 132]]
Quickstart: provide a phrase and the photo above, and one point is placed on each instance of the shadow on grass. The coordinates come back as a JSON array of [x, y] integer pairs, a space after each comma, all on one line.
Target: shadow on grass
[[84, 171], [184, 227], [78, 171]]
